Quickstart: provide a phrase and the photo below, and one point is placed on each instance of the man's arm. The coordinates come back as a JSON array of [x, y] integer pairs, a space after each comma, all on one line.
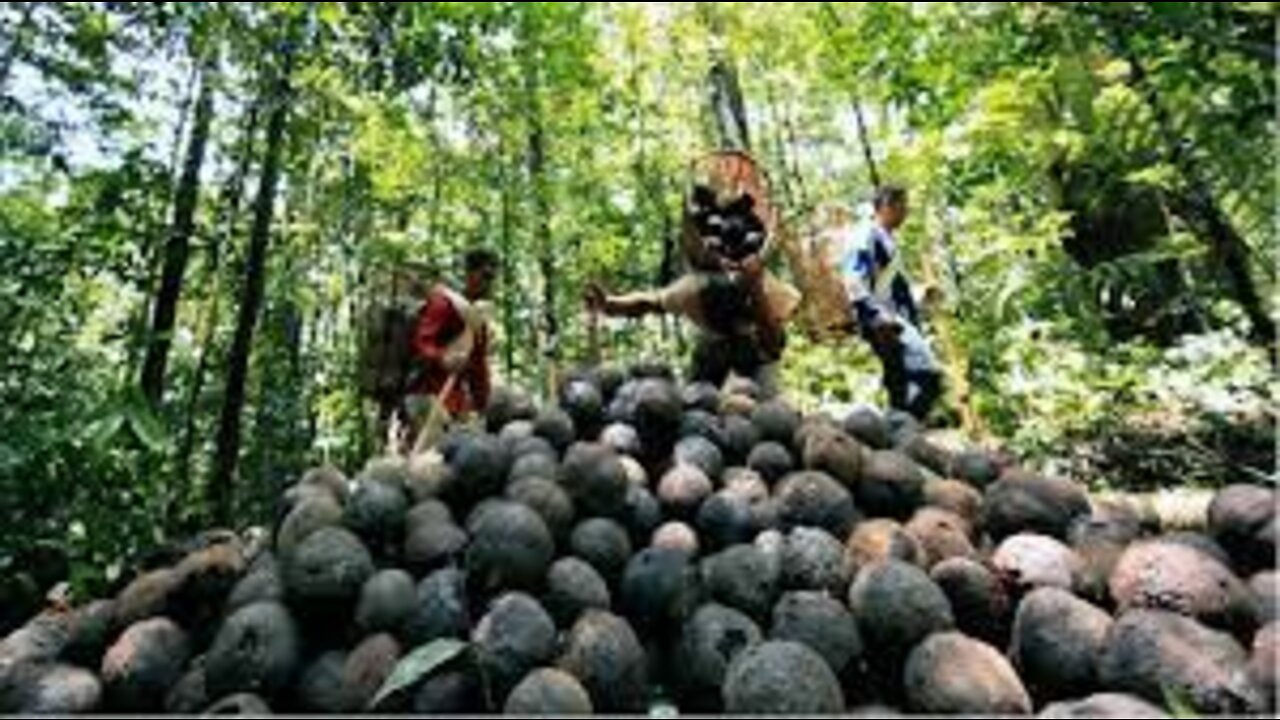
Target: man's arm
[[630, 305]]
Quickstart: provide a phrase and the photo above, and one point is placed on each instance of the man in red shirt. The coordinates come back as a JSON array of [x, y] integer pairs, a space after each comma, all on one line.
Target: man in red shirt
[[451, 340]]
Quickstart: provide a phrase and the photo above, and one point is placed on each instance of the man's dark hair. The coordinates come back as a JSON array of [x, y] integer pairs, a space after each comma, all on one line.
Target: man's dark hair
[[480, 259], [890, 195]]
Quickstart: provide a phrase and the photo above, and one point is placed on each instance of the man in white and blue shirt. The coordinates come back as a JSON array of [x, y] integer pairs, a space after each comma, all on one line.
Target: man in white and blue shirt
[[888, 317]]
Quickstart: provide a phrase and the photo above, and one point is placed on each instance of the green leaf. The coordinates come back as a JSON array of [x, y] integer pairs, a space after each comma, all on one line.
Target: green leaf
[[1013, 286], [331, 14], [1179, 704], [102, 432], [146, 427], [420, 664]]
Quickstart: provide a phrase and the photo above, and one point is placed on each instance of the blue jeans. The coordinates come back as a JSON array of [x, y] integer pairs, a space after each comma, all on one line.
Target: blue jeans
[[911, 375]]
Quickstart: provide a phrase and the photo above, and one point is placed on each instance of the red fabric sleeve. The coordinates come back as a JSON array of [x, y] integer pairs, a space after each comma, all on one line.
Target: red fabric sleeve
[[438, 324]]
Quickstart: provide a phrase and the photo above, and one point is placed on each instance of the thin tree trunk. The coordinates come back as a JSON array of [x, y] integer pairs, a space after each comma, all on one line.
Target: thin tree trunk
[[231, 201], [793, 169], [153, 253], [868, 152], [783, 183], [368, 430], [864, 135], [671, 258], [509, 289], [728, 106], [436, 221], [358, 282], [226, 460], [1203, 212], [178, 249], [670, 267], [281, 400], [177, 158], [280, 391], [536, 161], [546, 256]]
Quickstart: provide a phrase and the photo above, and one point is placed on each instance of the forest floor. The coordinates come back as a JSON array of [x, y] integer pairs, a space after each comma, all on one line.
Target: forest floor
[[1166, 449]]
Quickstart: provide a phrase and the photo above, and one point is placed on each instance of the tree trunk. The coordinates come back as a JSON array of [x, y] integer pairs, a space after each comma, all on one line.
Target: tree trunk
[[229, 214], [178, 249], [536, 162], [435, 222], [671, 260], [281, 401], [728, 106], [226, 459], [178, 152], [509, 288], [1203, 213], [793, 170], [281, 392], [668, 267], [546, 254], [864, 136], [789, 195]]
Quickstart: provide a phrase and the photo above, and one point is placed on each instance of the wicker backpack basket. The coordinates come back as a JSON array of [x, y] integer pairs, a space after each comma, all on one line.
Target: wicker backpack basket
[[813, 255]]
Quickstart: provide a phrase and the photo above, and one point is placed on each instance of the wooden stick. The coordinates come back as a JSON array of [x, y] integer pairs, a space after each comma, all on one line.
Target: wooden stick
[[436, 418], [593, 337]]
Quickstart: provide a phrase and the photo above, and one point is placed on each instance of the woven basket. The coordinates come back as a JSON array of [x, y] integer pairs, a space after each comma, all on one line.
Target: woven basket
[[730, 174], [814, 256]]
